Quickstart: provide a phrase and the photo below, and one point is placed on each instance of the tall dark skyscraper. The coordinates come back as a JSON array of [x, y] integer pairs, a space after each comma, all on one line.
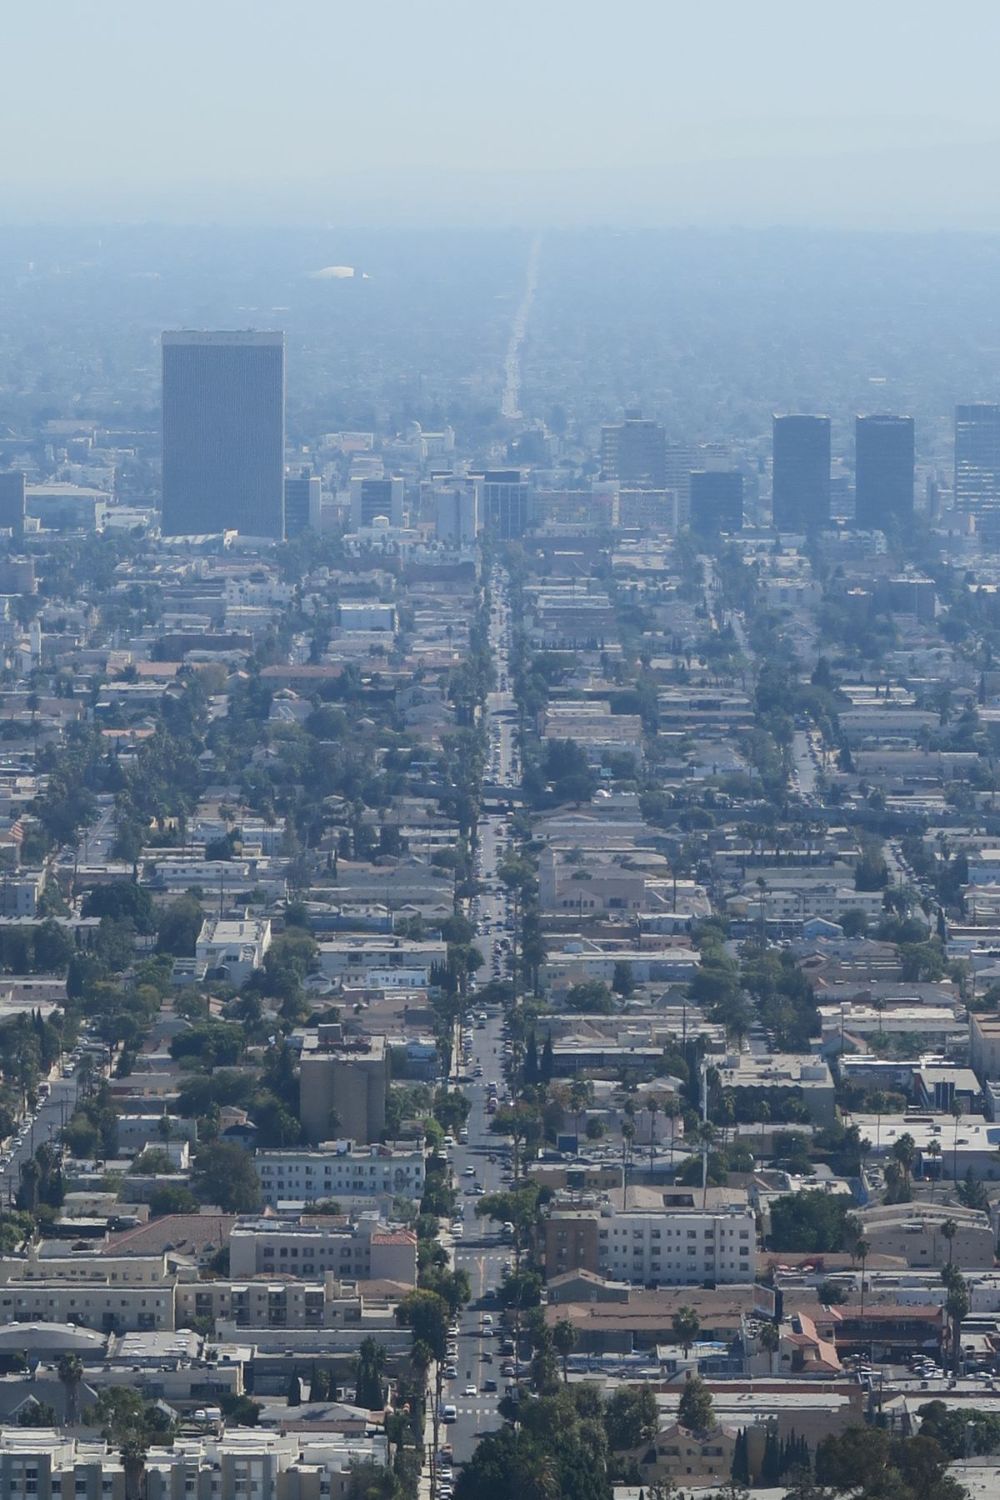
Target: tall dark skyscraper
[[12, 502], [883, 470], [302, 502], [716, 501], [223, 433], [977, 464], [634, 452], [503, 502], [801, 477]]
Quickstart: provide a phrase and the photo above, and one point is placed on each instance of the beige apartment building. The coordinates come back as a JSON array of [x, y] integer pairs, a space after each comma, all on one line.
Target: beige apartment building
[[343, 1085]]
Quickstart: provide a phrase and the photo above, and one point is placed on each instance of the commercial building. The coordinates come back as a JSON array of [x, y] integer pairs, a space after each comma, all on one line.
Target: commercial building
[[503, 497], [344, 1082], [303, 499], [12, 502], [634, 452], [801, 472], [456, 514], [977, 463], [912, 1232], [883, 471], [224, 433], [371, 498], [716, 501]]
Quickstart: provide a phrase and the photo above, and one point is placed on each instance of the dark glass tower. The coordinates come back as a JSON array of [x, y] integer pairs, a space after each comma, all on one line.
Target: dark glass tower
[[883, 470], [801, 476], [223, 433], [716, 501]]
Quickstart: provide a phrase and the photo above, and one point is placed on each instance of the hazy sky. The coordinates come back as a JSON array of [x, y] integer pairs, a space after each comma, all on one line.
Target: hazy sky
[[648, 110]]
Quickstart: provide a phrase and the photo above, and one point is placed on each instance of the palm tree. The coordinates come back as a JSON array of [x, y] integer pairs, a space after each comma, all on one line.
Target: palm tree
[[70, 1369], [956, 1307], [879, 1103], [934, 1152], [686, 1326], [904, 1151], [133, 1456], [564, 1341], [949, 1229], [956, 1111], [628, 1136], [769, 1338]]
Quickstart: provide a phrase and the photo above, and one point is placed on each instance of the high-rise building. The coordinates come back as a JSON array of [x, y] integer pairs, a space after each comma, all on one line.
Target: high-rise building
[[456, 516], [634, 453], [503, 502], [801, 472], [12, 502], [349, 1076], [716, 501], [376, 497], [303, 497], [977, 463], [679, 460], [883, 471], [224, 433]]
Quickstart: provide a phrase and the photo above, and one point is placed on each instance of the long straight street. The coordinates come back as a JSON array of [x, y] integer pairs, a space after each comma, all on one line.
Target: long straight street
[[480, 1164]]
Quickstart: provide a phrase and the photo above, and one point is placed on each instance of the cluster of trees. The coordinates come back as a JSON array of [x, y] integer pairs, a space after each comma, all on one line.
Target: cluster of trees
[[869, 1464], [813, 1221], [961, 1431], [559, 1447]]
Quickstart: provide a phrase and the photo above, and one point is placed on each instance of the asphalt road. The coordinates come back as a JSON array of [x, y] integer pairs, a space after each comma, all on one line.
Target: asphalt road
[[52, 1114], [479, 1249]]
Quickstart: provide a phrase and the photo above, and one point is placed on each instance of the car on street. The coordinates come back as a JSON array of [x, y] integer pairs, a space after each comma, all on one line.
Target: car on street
[[471, 1389]]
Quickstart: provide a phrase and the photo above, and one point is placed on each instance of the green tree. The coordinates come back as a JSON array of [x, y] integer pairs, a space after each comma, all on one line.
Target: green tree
[[695, 1410], [224, 1174], [179, 926], [370, 1390], [631, 1417], [70, 1370]]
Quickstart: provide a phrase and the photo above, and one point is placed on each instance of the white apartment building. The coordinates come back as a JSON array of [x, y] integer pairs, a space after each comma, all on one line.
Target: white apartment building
[[794, 903], [242, 1462], [339, 1169], [233, 946], [351, 960], [677, 1248]]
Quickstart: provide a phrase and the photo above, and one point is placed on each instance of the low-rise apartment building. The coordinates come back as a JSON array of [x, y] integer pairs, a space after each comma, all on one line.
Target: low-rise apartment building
[[365, 1250], [242, 1462], [777, 1079], [662, 1236], [232, 948], [337, 1168]]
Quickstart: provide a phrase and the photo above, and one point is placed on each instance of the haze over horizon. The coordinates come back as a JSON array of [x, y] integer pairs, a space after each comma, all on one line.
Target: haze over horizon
[[552, 114]]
